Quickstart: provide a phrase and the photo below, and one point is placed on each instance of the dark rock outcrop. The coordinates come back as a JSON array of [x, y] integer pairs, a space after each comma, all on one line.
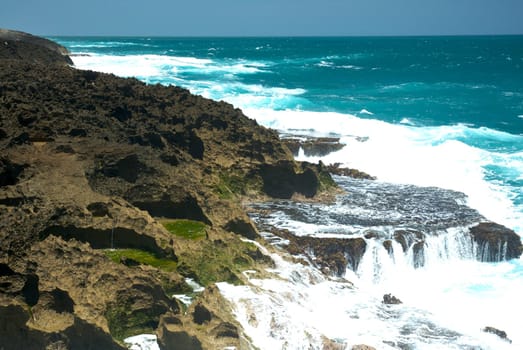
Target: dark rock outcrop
[[331, 255], [226, 330], [10, 172], [201, 314], [243, 227], [313, 146], [390, 299], [496, 242], [19, 45], [498, 332], [336, 169], [284, 179]]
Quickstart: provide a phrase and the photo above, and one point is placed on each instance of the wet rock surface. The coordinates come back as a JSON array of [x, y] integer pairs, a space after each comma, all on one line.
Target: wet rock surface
[[496, 242], [390, 299], [399, 219], [312, 146], [498, 332]]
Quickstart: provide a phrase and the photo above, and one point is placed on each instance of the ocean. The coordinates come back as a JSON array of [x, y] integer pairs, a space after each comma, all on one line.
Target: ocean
[[438, 121]]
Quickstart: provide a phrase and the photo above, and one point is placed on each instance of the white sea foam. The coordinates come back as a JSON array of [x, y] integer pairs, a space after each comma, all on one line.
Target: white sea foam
[[406, 154], [294, 310], [161, 66], [299, 306], [406, 121], [142, 342]]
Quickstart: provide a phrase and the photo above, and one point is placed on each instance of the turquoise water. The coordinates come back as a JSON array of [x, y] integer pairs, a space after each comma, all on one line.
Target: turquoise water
[[477, 81], [443, 112], [449, 93]]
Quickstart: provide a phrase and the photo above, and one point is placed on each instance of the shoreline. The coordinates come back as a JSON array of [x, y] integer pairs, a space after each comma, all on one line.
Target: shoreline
[[100, 162]]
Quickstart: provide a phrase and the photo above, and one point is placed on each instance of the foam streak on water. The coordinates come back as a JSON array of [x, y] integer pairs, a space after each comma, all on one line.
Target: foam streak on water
[[437, 120]]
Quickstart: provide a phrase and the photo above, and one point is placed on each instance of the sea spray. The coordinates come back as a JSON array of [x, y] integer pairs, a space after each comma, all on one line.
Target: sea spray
[[446, 112]]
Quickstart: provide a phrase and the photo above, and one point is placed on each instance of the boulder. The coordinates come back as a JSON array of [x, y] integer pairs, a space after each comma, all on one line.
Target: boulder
[[313, 146], [498, 332], [336, 169], [496, 242], [390, 299]]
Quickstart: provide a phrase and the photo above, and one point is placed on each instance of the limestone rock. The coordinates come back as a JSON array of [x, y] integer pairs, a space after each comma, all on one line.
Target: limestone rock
[[362, 347], [171, 335], [92, 165], [243, 227]]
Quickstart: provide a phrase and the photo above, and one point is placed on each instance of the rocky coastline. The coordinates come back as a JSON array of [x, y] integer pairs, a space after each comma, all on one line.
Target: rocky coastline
[[114, 193]]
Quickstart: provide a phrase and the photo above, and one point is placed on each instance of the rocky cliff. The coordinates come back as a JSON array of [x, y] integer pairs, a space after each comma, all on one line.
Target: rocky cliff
[[112, 192]]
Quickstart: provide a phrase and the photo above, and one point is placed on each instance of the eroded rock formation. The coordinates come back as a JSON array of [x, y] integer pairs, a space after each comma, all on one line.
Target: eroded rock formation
[[111, 192]]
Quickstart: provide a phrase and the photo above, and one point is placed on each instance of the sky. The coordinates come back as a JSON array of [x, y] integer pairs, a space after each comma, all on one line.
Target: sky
[[262, 18]]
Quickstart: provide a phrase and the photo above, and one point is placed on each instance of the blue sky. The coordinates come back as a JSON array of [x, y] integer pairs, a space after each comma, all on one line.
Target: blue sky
[[263, 18]]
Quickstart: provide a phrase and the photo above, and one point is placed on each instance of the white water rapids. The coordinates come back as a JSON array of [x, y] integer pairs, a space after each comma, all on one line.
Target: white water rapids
[[447, 300]]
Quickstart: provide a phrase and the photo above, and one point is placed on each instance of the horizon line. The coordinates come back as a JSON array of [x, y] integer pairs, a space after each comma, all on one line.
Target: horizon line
[[277, 36]]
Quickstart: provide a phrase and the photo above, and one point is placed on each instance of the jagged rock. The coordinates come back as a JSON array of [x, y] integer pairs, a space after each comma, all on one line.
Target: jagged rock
[[390, 299], [127, 168], [362, 347], [407, 238], [10, 172], [313, 146], [171, 335], [496, 242], [76, 132], [333, 255], [336, 169], [17, 332], [329, 344], [98, 209], [201, 315], [92, 162], [498, 332], [387, 244], [65, 149], [226, 330], [281, 180], [19, 45], [173, 202], [243, 227]]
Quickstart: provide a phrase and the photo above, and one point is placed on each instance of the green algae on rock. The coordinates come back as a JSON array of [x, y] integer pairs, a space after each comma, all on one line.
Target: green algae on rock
[[98, 169]]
